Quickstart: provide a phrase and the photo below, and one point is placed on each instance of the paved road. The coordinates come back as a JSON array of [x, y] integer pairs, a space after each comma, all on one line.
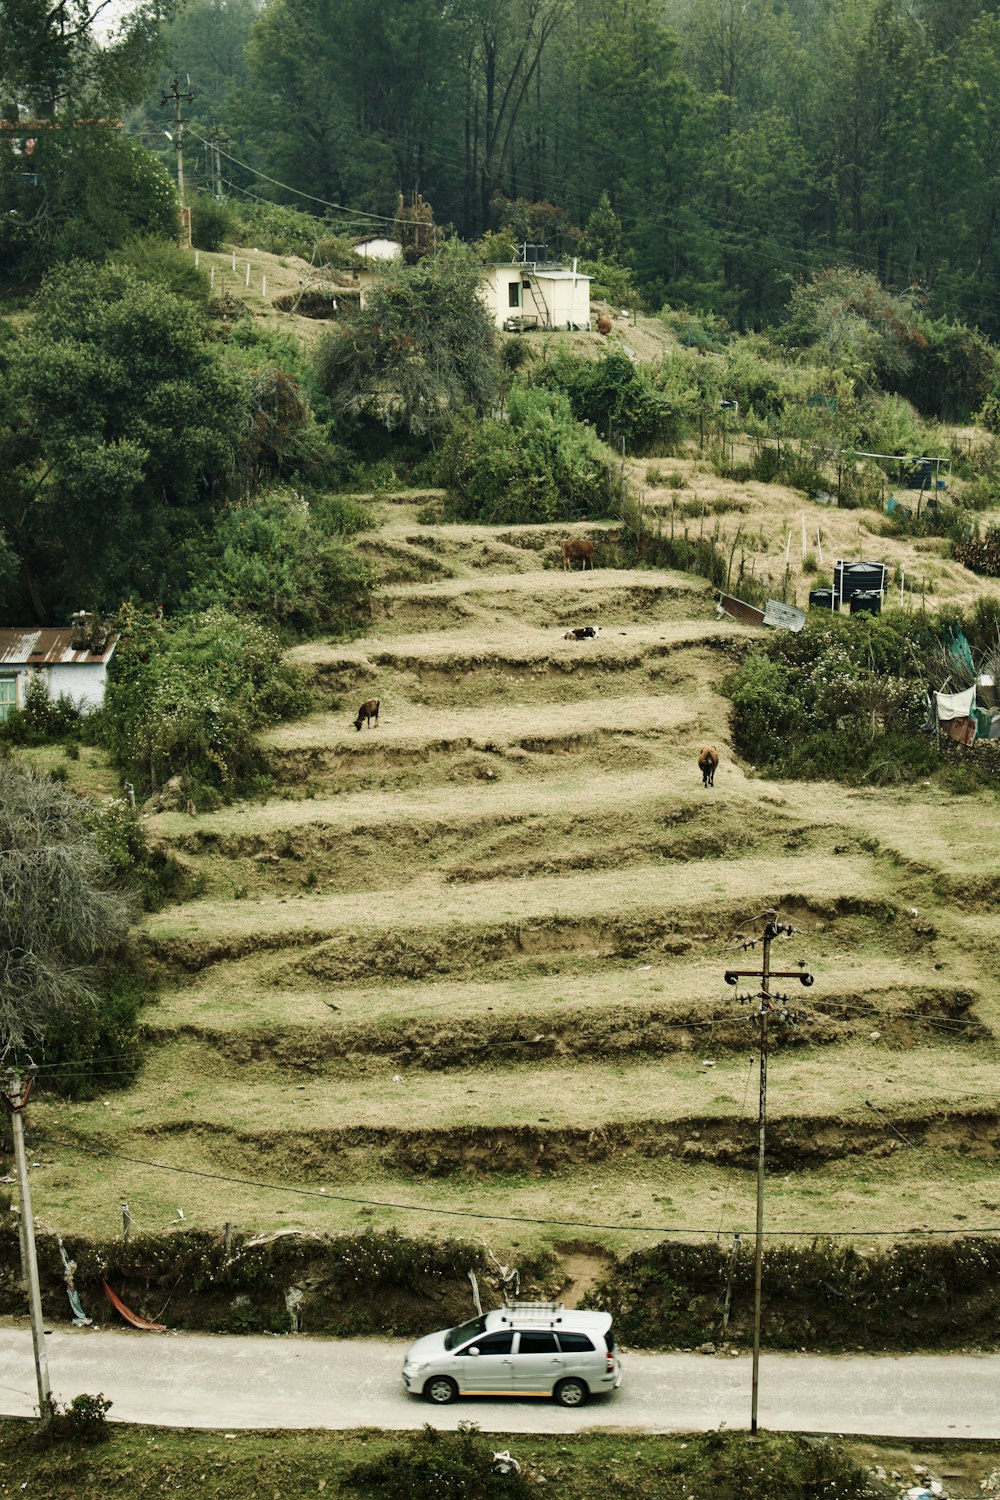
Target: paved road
[[208, 1380]]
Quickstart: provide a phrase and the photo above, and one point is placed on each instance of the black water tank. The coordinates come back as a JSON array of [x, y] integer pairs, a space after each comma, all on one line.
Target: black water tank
[[822, 599], [868, 602], [851, 578]]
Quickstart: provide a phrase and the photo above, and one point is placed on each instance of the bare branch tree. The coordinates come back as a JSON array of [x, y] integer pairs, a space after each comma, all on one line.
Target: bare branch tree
[[62, 917]]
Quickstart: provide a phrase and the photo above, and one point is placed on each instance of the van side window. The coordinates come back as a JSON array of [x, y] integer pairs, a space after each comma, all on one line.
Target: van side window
[[575, 1343], [494, 1343], [537, 1343]]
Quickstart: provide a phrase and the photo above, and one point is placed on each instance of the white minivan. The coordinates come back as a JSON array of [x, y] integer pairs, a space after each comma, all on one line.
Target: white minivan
[[524, 1349]]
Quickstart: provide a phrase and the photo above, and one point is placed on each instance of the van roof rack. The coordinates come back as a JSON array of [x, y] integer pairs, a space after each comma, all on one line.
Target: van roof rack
[[532, 1312]]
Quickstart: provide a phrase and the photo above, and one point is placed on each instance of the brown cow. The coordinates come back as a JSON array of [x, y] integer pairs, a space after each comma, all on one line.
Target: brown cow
[[368, 711], [708, 762], [581, 547]]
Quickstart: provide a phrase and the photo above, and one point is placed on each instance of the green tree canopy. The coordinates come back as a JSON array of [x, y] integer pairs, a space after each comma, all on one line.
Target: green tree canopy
[[423, 348], [121, 423]]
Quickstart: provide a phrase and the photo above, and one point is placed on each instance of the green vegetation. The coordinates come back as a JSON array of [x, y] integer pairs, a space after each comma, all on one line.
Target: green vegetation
[[121, 423], [421, 351], [728, 1466], [282, 560], [64, 927], [538, 465], [845, 698], [187, 700]]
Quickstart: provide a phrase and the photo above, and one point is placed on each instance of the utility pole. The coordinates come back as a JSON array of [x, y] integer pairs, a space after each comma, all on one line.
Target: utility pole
[[177, 96], [16, 1099], [767, 1003]]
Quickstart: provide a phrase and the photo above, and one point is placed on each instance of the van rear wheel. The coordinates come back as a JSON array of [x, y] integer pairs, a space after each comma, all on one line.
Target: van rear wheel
[[440, 1389], [571, 1393]]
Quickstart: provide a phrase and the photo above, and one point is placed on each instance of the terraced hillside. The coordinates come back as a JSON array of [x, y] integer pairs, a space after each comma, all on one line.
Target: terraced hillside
[[472, 961]]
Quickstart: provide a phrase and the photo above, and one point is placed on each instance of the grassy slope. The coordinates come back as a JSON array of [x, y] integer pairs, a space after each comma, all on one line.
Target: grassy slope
[[472, 960]]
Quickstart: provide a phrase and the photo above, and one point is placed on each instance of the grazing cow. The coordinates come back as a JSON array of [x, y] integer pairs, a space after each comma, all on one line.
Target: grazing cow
[[582, 633], [708, 762], [368, 711], [581, 547]]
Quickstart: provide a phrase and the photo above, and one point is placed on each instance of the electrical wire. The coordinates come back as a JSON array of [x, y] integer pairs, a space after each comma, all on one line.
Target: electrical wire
[[668, 1230]]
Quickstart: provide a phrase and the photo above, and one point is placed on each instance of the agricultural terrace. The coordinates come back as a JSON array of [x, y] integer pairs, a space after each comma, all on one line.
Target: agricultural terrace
[[471, 961]]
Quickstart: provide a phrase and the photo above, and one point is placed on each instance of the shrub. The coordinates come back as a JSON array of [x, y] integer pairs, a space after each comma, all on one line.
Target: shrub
[[702, 331], [152, 873], [843, 698], [445, 1465], [618, 399], [953, 374], [64, 922], [82, 1420], [540, 465], [276, 560], [153, 259], [187, 699], [980, 553], [211, 223], [277, 229], [41, 719]]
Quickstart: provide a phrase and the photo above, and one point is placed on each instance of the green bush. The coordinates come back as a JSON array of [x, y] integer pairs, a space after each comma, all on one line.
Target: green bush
[[277, 229], [843, 698], [153, 874], [98, 1047], [980, 553], [445, 1465], [187, 698], [91, 191], [619, 399], [153, 259], [212, 223], [705, 332], [540, 465], [279, 559], [41, 719], [82, 1420]]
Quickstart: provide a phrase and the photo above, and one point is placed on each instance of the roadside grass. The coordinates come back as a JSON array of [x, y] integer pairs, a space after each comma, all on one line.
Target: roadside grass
[[589, 1466]]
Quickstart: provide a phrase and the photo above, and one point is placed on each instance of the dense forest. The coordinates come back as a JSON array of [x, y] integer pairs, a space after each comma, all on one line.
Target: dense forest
[[741, 144], [720, 150]]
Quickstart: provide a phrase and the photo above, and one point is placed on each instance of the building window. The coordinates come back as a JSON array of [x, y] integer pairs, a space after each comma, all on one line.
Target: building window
[[513, 294], [8, 696]]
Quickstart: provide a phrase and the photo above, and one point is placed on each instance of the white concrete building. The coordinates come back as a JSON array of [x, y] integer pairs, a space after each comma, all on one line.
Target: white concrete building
[[377, 247], [537, 294], [78, 670]]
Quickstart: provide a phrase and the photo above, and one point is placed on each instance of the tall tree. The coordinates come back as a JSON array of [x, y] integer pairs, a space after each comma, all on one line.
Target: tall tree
[[125, 422]]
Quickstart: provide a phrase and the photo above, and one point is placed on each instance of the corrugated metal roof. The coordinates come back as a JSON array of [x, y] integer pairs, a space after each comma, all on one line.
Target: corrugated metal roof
[[48, 648]]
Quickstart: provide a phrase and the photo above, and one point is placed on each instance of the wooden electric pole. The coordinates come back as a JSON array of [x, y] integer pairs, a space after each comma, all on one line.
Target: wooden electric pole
[[766, 1004], [16, 1099], [177, 96]]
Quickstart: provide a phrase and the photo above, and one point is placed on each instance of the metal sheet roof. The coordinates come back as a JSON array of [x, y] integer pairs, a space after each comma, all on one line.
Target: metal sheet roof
[[45, 647]]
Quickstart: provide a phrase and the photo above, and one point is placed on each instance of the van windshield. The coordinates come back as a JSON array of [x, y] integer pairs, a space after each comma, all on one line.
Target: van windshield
[[464, 1332]]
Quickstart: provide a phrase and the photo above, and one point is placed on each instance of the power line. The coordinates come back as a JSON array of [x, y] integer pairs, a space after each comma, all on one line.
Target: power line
[[672, 1230]]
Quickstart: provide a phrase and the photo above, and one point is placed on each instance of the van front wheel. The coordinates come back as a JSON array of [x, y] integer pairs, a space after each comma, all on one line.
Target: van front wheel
[[440, 1390], [571, 1393]]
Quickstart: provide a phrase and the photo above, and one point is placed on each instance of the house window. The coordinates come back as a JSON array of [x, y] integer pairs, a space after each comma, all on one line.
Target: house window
[[8, 696], [513, 294]]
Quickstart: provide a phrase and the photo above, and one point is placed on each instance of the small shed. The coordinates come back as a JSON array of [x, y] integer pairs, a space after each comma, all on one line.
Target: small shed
[[377, 247], [72, 661], [537, 294]]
